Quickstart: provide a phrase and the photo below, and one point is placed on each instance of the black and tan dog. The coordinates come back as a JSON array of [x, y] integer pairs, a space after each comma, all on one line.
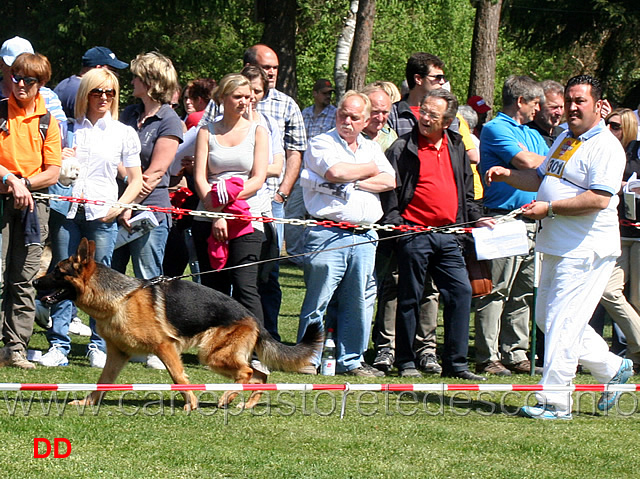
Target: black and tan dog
[[164, 318]]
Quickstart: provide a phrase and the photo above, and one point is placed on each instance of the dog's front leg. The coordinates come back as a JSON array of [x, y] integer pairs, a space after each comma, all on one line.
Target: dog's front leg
[[116, 360], [170, 356]]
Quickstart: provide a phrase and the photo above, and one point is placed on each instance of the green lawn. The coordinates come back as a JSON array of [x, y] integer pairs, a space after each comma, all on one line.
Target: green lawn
[[301, 435]]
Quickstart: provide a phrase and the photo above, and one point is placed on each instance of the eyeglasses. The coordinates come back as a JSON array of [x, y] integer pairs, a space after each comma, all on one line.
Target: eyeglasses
[[28, 81], [437, 78], [614, 125], [432, 116], [98, 92]]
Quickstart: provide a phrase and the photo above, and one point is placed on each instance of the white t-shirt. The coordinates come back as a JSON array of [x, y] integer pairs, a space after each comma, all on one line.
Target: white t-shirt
[[593, 161], [99, 149], [339, 202]]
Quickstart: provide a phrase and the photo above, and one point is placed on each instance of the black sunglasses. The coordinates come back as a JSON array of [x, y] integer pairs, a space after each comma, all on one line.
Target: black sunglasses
[[28, 81], [614, 125], [98, 92], [437, 78]]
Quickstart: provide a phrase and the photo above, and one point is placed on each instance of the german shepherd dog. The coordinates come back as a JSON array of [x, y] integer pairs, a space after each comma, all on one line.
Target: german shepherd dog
[[166, 317]]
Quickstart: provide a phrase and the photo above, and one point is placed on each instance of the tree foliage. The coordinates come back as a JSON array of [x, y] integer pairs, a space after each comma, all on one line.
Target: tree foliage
[[598, 37], [206, 38]]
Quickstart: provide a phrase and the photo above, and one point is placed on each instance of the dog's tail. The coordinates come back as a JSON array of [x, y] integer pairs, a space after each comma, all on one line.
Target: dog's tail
[[289, 358]]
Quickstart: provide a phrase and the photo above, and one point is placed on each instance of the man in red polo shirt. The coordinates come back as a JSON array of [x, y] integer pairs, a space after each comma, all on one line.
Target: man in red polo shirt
[[435, 188]]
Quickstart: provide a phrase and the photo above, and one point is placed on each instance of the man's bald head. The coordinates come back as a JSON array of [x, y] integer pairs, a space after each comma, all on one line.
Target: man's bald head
[[264, 57]]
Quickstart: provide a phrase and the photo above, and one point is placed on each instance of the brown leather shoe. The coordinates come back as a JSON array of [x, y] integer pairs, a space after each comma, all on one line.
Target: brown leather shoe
[[524, 367], [493, 367]]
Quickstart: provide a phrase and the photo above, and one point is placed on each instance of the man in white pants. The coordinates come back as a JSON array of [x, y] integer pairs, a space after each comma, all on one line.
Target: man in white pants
[[579, 236]]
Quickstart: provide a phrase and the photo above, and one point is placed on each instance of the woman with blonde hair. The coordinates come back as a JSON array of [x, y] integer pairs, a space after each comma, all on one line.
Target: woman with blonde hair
[[100, 144], [623, 123], [232, 157], [160, 131]]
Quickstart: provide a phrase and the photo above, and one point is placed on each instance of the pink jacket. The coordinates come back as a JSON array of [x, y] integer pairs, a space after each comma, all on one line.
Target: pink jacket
[[219, 250]]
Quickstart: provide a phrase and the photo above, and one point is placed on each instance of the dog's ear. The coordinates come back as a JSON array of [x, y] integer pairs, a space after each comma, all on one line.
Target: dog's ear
[[86, 250]]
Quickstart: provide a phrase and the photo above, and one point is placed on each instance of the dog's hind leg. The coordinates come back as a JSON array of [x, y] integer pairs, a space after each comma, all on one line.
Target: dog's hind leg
[[258, 378], [170, 356], [116, 360]]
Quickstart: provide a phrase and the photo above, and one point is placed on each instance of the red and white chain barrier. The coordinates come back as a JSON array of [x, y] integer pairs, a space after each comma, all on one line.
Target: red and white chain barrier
[[179, 212], [416, 387]]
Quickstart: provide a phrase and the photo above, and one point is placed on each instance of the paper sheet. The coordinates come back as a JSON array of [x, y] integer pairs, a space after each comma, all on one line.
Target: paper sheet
[[501, 241]]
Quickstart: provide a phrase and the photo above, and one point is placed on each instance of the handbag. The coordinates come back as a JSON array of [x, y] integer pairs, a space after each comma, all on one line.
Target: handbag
[[479, 274]]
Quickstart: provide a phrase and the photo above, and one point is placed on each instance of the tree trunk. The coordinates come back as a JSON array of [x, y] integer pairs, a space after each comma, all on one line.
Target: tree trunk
[[483, 49], [280, 34], [359, 59], [343, 50]]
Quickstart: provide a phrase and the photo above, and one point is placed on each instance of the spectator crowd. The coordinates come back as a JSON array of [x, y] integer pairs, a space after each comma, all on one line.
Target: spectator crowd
[[421, 158]]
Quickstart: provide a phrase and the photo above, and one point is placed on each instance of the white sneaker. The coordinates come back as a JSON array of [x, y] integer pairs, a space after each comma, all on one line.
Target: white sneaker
[[79, 328], [54, 357], [154, 362], [97, 358]]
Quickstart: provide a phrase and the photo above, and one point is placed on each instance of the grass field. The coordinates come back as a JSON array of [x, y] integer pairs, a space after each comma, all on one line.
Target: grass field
[[301, 435]]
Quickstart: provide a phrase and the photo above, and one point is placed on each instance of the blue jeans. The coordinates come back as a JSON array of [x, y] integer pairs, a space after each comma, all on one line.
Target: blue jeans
[[294, 234], [146, 253], [65, 238], [349, 272]]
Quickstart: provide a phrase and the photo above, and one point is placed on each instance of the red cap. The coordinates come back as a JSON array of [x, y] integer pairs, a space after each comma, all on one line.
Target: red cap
[[478, 104]]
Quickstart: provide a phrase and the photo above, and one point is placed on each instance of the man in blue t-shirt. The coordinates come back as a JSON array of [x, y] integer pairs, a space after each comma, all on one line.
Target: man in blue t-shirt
[[502, 317]]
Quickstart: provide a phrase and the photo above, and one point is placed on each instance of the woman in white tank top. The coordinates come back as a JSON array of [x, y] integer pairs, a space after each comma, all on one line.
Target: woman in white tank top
[[232, 146]]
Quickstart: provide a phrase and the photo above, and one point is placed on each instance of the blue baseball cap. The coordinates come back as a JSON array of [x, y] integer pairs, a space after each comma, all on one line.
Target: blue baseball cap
[[102, 56]]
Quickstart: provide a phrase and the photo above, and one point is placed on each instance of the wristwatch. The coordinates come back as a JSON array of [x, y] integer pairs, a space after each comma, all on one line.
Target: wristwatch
[[550, 212], [283, 196]]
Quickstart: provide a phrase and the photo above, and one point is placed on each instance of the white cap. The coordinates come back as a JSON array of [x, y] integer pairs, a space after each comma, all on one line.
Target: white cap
[[14, 47]]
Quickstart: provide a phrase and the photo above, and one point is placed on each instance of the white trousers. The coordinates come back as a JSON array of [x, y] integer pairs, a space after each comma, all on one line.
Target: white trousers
[[569, 291]]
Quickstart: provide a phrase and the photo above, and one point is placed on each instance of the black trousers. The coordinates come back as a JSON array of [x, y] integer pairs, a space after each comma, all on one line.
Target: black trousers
[[440, 255], [241, 283]]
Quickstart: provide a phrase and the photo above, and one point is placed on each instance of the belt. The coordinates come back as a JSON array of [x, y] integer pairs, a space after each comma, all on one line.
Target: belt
[[350, 229]]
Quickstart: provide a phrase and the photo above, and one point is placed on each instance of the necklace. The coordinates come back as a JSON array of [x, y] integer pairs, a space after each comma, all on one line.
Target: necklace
[[148, 115]]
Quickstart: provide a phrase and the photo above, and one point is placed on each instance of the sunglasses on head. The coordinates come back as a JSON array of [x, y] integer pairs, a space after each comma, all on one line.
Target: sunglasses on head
[[28, 81], [614, 125], [98, 92]]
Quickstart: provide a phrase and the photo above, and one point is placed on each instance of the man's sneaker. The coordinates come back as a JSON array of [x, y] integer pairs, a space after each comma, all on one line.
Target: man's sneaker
[[154, 362], [608, 399], [79, 328], [429, 364], [384, 360], [524, 367], [97, 358], [493, 367], [365, 371], [409, 373], [18, 359], [543, 412], [54, 357], [309, 369], [257, 365]]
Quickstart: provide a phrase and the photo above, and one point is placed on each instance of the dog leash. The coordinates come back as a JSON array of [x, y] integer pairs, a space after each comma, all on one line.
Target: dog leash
[[458, 228]]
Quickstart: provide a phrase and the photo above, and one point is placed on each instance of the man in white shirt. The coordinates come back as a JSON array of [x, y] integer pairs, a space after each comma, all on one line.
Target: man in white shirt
[[579, 236], [342, 176]]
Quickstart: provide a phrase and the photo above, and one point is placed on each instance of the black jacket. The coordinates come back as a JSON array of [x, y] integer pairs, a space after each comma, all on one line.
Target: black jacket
[[403, 156]]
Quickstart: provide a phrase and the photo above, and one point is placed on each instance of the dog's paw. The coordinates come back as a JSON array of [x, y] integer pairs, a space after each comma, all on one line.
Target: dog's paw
[[81, 402]]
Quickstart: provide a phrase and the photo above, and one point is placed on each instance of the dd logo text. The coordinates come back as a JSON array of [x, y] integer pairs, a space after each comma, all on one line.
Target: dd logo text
[[57, 453]]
